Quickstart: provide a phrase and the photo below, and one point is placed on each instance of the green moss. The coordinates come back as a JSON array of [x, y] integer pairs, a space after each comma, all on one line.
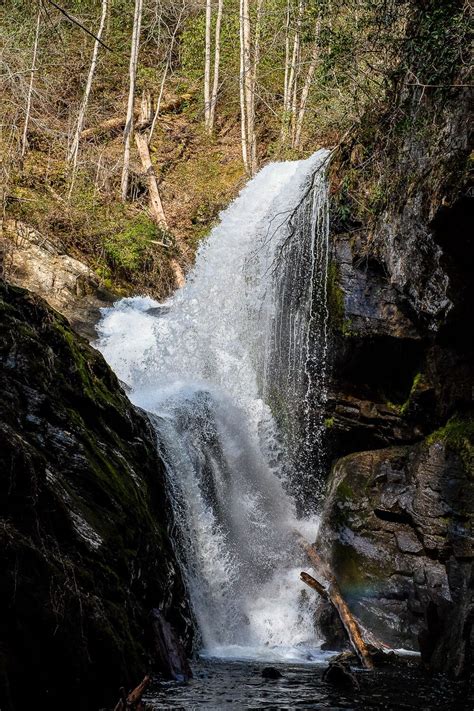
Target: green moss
[[347, 327], [345, 491], [329, 422], [128, 249], [418, 383], [335, 296], [457, 434]]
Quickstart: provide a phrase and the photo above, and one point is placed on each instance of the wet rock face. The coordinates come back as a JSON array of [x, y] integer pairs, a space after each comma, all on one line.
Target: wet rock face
[[84, 547], [398, 530], [36, 263], [396, 523]]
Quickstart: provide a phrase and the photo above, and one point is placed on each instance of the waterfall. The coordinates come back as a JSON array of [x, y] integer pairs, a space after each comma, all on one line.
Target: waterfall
[[230, 368]]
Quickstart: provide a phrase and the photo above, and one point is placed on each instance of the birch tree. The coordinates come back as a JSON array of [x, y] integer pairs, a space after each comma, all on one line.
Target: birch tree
[[248, 76], [291, 75], [24, 140], [128, 131], [217, 56], [207, 65], [243, 107], [73, 153]]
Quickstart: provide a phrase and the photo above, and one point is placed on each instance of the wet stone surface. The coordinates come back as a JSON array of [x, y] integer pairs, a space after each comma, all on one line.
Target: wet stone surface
[[239, 685]]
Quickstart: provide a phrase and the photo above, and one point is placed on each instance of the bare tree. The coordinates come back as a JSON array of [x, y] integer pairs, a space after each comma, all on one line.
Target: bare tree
[[72, 157], [24, 140], [243, 108], [217, 55], [256, 60], [207, 66], [166, 70], [307, 85], [135, 46], [287, 63], [291, 76], [249, 60]]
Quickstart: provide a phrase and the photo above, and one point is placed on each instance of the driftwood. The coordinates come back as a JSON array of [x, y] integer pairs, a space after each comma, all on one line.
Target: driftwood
[[134, 698], [332, 593]]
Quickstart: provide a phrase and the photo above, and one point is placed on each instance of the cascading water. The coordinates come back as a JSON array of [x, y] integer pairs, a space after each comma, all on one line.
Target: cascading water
[[228, 367]]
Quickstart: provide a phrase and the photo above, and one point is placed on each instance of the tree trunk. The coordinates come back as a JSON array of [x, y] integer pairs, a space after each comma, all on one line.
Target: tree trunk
[[207, 67], [243, 112], [156, 207], [24, 140], [287, 64], [217, 56], [137, 20], [307, 85], [256, 60], [133, 700], [85, 99], [292, 75], [333, 594], [248, 84]]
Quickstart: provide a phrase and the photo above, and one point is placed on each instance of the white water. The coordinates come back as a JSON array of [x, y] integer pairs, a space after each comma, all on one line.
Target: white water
[[238, 336]]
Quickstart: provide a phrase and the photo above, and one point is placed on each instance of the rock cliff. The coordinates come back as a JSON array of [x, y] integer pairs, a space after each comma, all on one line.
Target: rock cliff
[[397, 523], [85, 553]]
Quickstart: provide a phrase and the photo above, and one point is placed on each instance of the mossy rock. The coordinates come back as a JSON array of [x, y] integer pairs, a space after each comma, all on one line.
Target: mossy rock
[[84, 547]]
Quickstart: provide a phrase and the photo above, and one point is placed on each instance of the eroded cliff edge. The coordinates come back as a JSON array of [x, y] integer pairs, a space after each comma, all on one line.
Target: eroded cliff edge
[[397, 522], [85, 553]]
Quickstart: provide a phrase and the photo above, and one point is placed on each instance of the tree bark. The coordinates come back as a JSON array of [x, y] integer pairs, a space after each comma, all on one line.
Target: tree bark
[[207, 66], [333, 594], [137, 20], [133, 700], [246, 36], [243, 112], [256, 60], [292, 76], [24, 140], [217, 56], [287, 63], [156, 206], [73, 153]]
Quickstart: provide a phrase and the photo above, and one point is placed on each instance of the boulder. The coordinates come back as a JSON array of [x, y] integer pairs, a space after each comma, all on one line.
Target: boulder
[[397, 531]]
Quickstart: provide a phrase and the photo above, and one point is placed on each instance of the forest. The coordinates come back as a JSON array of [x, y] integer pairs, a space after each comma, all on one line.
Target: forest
[[237, 359]]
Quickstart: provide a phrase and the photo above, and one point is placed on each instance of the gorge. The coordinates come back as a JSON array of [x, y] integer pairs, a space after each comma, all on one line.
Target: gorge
[[311, 381]]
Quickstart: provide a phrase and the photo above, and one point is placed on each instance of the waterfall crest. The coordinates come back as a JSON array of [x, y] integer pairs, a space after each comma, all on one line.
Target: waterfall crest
[[226, 367]]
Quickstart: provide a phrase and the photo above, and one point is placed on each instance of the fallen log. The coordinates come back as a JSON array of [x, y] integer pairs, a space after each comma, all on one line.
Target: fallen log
[[332, 593], [133, 700], [154, 198]]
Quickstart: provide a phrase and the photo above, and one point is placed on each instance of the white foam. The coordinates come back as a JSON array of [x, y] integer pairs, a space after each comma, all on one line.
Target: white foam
[[195, 362]]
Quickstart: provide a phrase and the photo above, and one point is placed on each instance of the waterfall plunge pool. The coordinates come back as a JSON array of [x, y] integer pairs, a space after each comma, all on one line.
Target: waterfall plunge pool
[[222, 684]]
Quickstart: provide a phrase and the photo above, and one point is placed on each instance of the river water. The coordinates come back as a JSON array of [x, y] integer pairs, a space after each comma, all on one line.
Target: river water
[[239, 685]]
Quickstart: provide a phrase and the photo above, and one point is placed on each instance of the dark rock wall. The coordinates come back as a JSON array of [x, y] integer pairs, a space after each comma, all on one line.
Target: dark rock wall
[[84, 548], [397, 522]]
